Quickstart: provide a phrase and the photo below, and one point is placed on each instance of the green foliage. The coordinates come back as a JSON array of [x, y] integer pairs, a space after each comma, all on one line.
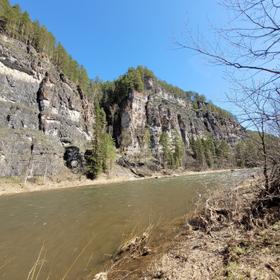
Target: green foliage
[[209, 152], [173, 150], [199, 98], [18, 25], [196, 99], [221, 112], [103, 147], [109, 152], [200, 103], [198, 150], [176, 91], [179, 150], [146, 149], [94, 163], [167, 149], [133, 79], [145, 73], [147, 138], [4, 7], [248, 152], [222, 150], [96, 87]]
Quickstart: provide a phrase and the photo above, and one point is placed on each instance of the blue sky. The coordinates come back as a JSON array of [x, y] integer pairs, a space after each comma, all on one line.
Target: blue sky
[[108, 36]]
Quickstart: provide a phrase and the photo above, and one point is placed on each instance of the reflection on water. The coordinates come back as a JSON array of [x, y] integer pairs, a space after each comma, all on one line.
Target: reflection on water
[[90, 220]]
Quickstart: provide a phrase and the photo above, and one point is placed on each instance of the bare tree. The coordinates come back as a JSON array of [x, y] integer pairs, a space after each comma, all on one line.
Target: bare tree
[[250, 48]]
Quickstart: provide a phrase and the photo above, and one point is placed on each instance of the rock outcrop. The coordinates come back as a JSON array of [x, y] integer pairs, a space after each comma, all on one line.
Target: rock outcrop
[[46, 121], [155, 111], [42, 113]]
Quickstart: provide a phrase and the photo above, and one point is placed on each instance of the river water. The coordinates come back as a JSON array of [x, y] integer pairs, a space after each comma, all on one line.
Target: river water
[[74, 231]]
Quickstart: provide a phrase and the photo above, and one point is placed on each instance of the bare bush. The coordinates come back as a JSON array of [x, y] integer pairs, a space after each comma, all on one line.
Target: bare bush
[[250, 49]]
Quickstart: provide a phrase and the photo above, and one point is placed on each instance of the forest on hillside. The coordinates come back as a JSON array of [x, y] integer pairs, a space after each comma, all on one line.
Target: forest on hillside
[[208, 152], [18, 24]]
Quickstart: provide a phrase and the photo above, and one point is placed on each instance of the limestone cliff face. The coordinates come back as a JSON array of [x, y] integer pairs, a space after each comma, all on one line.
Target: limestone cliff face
[[42, 113], [45, 118], [156, 110]]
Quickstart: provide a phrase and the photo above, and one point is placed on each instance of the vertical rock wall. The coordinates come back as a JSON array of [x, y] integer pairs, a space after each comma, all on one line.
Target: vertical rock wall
[[159, 111], [41, 113]]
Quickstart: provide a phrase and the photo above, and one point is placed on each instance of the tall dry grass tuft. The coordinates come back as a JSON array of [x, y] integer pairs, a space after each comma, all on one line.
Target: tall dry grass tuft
[[135, 245], [75, 261], [36, 269]]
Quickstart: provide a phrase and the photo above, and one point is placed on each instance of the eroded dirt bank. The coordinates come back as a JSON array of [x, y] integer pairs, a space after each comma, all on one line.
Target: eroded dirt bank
[[235, 235]]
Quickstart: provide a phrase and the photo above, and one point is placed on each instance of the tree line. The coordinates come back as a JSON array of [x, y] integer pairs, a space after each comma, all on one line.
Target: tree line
[[18, 25], [103, 153], [173, 150], [212, 153], [136, 78]]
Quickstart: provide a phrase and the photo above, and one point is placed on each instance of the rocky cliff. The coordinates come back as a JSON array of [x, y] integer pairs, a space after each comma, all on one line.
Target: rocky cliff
[[42, 113], [139, 120], [47, 119]]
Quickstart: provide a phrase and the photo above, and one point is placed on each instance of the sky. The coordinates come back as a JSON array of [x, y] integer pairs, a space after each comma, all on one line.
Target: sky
[[109, 36]]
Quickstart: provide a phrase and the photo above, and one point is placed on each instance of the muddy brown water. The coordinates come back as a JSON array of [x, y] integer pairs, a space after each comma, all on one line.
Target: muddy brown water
[[76, 230]]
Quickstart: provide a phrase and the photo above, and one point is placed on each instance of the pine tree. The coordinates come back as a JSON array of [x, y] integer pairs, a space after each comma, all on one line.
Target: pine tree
[[179, 150], [37, 39], [13, 21], [198, 150], [18, 25], [146, 149], [223, 150], [209, 150], [103, 146], [25, 27], [83, 79], [109, 152], [167, 148]]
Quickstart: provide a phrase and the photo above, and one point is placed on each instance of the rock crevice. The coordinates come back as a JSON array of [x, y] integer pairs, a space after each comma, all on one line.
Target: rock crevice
[[37, 101]]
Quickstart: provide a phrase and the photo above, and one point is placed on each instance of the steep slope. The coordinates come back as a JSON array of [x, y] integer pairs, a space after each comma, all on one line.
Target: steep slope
[[42, 113], [45, 119], [153, 122]]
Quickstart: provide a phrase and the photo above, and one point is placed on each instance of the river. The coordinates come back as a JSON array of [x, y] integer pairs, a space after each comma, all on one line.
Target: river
[[76, 230]]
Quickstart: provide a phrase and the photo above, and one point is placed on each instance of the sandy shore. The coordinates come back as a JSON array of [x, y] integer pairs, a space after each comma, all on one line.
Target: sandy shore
[[10, 186]]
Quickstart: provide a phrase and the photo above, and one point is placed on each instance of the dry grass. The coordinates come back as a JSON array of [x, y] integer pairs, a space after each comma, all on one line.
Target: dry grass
[[226, 208], [75, 261], [36, 269], [254, 256], [228, 238], [133, 248], [234, 235], [35, 272]]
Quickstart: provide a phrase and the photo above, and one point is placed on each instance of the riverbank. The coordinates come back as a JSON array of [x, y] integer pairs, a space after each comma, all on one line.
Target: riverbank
[[232, 236], [16, 185], [98, 218]]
